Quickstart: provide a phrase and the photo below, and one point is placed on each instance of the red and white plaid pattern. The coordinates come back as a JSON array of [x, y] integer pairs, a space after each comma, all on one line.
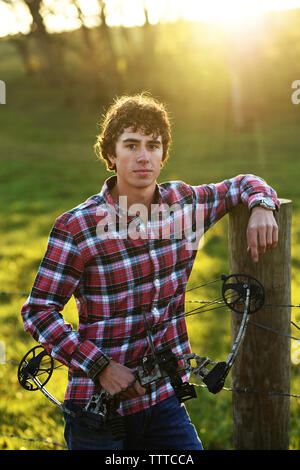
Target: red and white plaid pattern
[[115, 279]]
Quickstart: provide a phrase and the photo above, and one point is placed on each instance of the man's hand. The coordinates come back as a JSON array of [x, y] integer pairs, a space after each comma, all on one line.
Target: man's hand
[[262, 232], [116, 377]]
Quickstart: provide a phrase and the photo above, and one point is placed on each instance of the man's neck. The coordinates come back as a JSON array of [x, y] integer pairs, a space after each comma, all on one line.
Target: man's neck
[[142, 196]]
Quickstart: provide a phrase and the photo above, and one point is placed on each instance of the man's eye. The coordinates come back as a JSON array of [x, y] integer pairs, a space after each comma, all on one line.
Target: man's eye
[[131, 146]]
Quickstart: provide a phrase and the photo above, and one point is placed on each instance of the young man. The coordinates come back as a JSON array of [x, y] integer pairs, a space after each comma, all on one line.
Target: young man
[[125, 281]]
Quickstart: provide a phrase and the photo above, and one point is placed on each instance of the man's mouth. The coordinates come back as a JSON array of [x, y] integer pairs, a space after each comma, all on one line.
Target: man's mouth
[[143, 171]]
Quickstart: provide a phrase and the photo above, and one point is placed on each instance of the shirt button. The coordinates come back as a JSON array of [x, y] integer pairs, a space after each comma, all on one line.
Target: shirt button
[[156, 283], [155, 312]]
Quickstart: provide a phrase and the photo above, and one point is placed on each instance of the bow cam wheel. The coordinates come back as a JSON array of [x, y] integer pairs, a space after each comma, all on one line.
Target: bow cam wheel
[[35, 369], [234, 291]]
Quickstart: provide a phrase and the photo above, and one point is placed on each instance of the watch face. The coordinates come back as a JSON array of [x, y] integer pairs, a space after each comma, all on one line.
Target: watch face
[[268, 203]]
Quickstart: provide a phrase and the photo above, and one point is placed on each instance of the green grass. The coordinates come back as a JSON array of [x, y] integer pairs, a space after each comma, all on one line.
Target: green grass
[[47, 167]]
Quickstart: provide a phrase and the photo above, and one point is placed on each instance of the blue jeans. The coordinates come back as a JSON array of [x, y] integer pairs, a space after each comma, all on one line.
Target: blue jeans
[[165, 425]]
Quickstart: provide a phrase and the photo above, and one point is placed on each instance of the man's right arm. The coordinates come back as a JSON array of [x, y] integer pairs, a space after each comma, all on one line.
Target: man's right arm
[[58, 277]]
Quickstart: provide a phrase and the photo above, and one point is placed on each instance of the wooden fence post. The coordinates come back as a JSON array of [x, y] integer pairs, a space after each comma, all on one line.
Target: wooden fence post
[[260, 420]]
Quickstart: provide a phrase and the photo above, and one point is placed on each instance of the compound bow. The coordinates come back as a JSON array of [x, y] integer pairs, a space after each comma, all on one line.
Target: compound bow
[[242, 293]]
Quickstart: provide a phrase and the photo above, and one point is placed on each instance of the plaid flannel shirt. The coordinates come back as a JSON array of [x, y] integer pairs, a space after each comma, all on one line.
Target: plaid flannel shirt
[[115, 279]]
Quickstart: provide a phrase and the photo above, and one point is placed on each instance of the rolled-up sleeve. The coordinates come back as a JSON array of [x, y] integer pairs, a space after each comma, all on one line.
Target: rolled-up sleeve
[[56, 281], [217, 199]]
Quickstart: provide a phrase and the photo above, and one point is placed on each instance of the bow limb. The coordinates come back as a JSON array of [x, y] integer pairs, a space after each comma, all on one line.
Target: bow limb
[[215, 378], [45, 392], [241, 333]]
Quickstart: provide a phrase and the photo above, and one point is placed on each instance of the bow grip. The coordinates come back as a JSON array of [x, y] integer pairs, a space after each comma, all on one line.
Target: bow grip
[[215, 378]]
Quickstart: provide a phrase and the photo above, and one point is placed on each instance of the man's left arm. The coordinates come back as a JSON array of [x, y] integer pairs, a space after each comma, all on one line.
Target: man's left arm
[[257, 195]]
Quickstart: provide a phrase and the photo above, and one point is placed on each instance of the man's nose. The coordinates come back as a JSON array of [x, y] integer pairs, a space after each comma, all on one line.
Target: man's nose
[[143, 155]]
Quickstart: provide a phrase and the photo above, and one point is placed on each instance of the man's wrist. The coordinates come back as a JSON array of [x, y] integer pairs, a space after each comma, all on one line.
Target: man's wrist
[[265, 203], [98, 367]]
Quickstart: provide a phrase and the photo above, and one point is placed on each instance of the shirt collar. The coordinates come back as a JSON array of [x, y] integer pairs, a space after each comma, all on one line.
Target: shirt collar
[[110, 183]]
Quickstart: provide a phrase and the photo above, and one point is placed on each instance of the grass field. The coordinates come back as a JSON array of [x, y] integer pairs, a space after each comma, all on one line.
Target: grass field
[[47, 167]]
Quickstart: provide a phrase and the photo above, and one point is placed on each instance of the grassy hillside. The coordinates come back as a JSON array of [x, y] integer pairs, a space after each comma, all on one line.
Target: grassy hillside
[[48, 166]]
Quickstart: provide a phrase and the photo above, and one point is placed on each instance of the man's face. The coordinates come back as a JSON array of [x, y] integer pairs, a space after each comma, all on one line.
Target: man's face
[[138, 159]]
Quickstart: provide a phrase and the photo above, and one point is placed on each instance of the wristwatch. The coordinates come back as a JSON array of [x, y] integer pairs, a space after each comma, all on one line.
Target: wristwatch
[[98, 367], [266, 203]]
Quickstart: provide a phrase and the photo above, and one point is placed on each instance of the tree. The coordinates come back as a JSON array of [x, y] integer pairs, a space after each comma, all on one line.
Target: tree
[[46, 47]]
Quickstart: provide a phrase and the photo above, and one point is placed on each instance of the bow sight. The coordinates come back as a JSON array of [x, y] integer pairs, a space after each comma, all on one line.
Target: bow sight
[[243, 294], [165, 364]]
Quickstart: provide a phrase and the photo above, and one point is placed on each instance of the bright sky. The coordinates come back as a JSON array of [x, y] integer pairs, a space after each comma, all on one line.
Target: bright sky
[[14, 19]]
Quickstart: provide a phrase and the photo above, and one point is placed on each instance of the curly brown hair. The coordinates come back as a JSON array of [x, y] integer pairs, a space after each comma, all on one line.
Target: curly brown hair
[[137, 112]]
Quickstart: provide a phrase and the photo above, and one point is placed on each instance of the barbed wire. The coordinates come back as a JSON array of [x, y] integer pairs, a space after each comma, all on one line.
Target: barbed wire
[[210, 302], [226, 389], [237, 390], [244, 389], [249, 390]]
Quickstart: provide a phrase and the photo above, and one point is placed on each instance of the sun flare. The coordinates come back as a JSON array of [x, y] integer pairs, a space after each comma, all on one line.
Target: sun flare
[[233, 13], [62, 15]]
